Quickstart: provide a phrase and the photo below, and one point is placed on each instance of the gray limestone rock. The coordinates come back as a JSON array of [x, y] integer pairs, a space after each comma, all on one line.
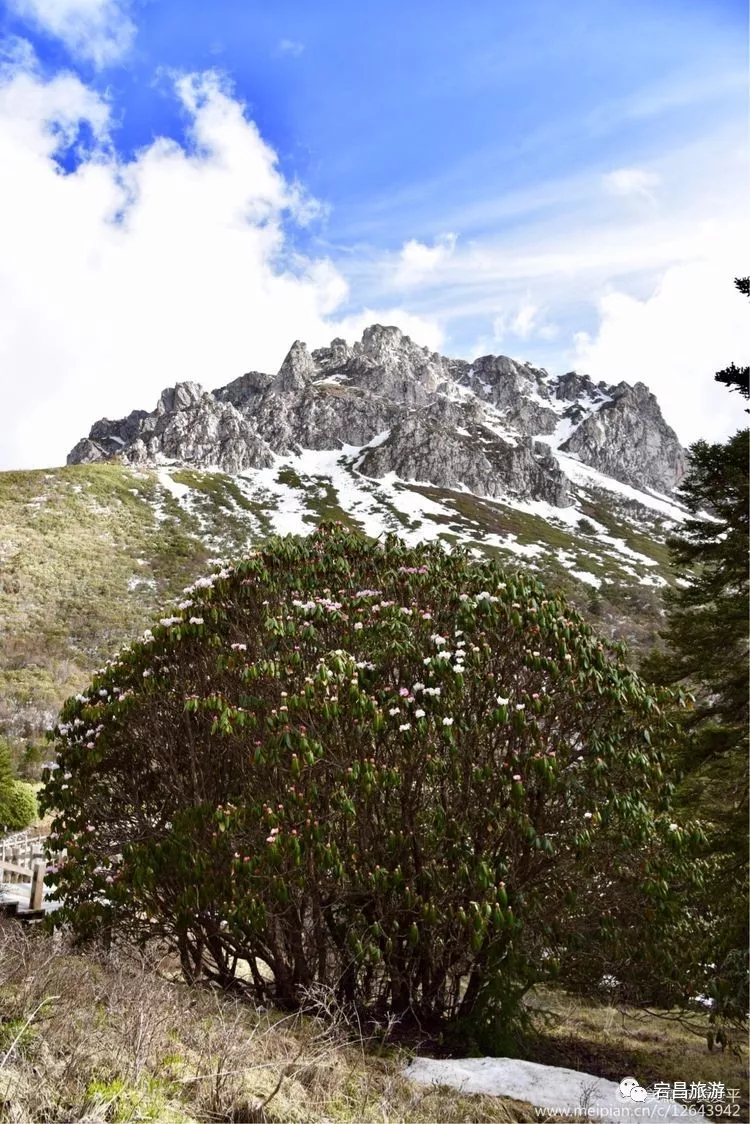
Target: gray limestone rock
[[420, 448], [443, 421], [296, 371], [628, 439], [187, 426], [243, 390], [572, 386], [87, 451], [179, 397], [333, 357]]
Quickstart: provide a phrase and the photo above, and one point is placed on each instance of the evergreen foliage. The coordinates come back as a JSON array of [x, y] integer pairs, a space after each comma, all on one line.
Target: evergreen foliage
[[18, 807], [733, 377], [411, 777], [707, 653]]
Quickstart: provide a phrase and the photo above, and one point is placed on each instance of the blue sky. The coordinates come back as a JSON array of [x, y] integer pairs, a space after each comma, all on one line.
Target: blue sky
[[561, 183]]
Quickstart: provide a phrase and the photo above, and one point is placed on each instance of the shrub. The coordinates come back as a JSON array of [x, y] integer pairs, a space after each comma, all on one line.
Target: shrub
[[393, 771], [18, 806]]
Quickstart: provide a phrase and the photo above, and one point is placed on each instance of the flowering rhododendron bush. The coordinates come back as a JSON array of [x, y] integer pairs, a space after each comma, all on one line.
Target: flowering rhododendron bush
[[394, 771]]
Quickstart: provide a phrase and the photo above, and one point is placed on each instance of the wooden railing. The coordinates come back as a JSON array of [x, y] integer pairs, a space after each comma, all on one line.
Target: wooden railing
[[22, 859]]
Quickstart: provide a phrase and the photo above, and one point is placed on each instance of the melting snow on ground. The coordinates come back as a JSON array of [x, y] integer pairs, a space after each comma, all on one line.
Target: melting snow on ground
[[390, 504], [172, 486], [581, 473], [587, 577], [568, 1091]]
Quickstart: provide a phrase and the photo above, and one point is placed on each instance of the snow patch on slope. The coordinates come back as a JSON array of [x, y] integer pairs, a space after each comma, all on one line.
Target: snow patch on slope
[[568, 1091], [581, 473], [390, 504], [172, 486]]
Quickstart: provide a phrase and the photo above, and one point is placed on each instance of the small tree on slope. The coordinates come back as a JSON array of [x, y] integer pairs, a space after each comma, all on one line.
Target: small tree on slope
[[393, 771]]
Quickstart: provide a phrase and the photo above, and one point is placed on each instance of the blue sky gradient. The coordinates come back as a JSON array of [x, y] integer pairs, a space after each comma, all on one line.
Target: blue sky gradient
[[520, 178]]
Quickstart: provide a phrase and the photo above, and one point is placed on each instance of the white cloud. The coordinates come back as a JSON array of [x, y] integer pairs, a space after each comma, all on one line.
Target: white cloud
[[674, 340], [632, 181], [528, 320], [651, 284], [121, 278], [290, 47], [568, 245], [99, 31], [525, 321], [417, 260]]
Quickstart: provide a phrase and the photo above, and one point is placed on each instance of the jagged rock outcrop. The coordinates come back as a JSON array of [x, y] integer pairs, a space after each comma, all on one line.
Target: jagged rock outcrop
[[389, 365], [573, 387], [333, 357], [180, 397], [244, 389], [296, 372], [188, 426], [628, 439], [422, 450], [518, 391], [442, 421], [326, 416]]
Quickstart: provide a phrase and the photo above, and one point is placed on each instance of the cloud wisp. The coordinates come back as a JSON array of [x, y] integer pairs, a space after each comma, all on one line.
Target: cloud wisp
[[292, 47], [97, 31], [632, 181], [417, 261], [597, 280]]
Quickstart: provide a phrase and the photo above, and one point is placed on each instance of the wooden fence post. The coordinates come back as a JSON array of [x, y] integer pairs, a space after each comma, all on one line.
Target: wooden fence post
[[37, 885]]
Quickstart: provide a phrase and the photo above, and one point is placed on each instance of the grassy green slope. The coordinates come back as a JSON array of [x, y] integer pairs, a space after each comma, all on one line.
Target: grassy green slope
[[89, 554]]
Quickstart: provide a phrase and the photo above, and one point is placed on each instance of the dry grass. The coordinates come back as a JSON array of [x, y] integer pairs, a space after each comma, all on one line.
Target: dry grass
[[89, 1037], [613, 1042]]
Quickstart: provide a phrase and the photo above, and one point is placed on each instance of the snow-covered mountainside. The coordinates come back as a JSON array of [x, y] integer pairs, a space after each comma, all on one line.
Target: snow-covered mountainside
[[396, 437], [494, 427]]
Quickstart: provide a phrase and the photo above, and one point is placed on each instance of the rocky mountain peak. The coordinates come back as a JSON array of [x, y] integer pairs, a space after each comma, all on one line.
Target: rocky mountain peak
[[389, 347], [412, 412], [179, 397], [297, 370], [628, 438], [388, 363], [572, 386], [337, 355]]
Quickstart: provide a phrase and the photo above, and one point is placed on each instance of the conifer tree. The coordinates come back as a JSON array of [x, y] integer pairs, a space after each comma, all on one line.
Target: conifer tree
[[733, 377], [707, 652]]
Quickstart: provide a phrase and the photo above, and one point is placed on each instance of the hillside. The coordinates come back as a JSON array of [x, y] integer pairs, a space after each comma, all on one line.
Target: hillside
[[550, 473], [91, 552]]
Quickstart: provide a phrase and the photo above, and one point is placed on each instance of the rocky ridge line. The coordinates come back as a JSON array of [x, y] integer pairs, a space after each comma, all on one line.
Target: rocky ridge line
[[494, 426]]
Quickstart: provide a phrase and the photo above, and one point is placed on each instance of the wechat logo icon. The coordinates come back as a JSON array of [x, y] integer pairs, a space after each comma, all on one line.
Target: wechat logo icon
[[630, 1090]]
